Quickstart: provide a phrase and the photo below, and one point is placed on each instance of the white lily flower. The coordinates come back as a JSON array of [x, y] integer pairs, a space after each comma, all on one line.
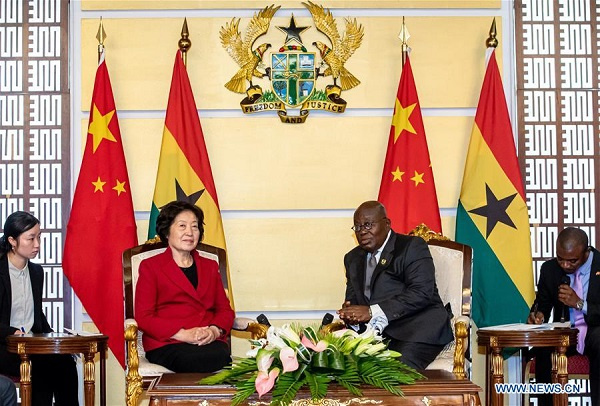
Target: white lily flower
[[287, 333], [369, 334], [273, 338]]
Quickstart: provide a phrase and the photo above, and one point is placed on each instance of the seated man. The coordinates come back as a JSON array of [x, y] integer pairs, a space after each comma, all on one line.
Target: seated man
[[570, 285], [390, 284], [8, 392]]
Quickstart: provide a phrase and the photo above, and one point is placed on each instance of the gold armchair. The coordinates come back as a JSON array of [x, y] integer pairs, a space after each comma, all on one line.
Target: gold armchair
[[453, 262], [140, 372]]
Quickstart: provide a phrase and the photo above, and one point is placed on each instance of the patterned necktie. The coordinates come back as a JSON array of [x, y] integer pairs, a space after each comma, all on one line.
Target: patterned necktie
[[579, 322], [371, 264]]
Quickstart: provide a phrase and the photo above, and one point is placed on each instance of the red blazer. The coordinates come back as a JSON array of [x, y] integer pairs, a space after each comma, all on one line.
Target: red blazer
[[165, 300]]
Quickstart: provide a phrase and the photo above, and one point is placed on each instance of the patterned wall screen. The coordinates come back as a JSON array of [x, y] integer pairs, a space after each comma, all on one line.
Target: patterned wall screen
[[557, 73], [34, 132]]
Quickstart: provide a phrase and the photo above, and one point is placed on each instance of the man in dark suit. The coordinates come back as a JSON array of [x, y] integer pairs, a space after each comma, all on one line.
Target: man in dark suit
[[390, 284], [569, 285], [8, 392]]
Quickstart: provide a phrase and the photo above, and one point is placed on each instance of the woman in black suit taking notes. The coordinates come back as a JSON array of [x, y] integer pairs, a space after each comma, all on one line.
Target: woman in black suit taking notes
[[21, 286]]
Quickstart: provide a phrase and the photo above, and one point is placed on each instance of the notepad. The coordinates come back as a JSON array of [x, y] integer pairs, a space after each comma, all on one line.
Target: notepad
[[520, 327], [80, 333]]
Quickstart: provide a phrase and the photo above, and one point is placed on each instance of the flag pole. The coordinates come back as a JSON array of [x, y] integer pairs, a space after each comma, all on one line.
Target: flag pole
[[184, 43], [492, 41], [404, 36], [101, 36]]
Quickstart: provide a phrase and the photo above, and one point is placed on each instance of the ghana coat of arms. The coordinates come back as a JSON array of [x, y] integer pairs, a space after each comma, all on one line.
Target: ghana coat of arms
[[293, 70]]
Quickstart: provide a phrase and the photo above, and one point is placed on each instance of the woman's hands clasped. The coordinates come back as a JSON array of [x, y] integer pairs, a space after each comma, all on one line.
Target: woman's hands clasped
[[198, 335]]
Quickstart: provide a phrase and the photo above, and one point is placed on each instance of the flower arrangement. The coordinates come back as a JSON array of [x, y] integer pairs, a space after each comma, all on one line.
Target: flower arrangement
[[293, 356]]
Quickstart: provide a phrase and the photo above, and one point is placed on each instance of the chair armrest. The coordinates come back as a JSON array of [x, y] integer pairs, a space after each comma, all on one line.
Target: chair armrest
[[334, 326], [461, 334], [257, 330], [133, 380]]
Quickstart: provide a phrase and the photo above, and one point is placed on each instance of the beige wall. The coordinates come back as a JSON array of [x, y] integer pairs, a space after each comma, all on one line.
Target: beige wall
[[287, 191]]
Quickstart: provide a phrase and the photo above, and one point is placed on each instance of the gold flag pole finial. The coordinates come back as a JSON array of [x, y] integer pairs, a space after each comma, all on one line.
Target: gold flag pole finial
[[492, 42], [404, 36], [100, 36], [184, 43]]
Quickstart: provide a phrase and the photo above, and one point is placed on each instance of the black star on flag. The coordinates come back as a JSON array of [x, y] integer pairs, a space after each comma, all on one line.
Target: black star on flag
[[495, 210], [292, 32], [184, 197]]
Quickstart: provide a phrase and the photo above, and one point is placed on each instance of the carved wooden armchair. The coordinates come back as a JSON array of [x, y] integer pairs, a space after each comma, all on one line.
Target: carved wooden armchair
[[141, 372], [453, 265], [453, 278]]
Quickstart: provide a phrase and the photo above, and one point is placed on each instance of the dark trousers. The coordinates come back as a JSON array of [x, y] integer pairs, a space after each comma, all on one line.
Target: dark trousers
[[543, 365], [8, 392], [52, 376], [416, 355], [184, 357]]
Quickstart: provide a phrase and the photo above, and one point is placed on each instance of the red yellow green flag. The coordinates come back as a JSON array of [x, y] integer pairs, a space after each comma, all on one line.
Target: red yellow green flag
[[102, 223], [492, 212], [184, 169], [407, 187]]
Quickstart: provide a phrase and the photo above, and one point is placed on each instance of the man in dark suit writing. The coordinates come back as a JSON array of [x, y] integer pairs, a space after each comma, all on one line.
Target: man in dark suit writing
[[390, 284], [569, 285]]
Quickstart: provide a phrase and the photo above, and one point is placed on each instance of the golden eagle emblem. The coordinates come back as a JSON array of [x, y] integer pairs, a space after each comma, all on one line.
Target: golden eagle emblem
[[341, 49], [241, 50]]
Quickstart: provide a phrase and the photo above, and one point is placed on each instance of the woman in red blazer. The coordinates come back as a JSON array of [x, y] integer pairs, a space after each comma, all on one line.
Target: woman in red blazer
[[180, 302]]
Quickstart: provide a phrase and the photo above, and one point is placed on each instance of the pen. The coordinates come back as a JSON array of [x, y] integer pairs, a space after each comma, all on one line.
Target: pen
[[23, 330], [535, 308]]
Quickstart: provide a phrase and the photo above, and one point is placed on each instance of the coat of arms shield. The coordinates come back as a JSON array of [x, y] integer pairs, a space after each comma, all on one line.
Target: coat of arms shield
[[293, 75]]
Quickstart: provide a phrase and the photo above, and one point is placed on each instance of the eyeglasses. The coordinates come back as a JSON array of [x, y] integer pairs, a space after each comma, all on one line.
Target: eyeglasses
[[365, 226]]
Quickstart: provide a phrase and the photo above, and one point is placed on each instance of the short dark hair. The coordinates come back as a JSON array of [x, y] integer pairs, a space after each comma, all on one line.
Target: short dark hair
[[171, 210], [15, 225], [572, 237]]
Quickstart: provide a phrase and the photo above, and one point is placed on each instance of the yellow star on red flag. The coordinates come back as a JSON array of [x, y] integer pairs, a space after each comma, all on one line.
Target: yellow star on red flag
[[397, 174], [418, 178], [401, 121], [119, 187], [99, 127], [99, 185]]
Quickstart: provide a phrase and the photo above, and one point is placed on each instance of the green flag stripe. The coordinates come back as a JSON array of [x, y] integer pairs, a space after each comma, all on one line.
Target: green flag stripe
[[496, 299], [152, 224]]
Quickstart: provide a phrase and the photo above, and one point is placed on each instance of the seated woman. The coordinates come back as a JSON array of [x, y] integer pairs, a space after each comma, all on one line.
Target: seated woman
[[180, 302], [21, 287]]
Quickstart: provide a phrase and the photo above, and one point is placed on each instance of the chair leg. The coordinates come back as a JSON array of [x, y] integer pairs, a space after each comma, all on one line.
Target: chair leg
[[133, 380], [461, 332]]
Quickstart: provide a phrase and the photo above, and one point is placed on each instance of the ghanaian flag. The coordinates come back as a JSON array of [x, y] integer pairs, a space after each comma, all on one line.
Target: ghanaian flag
[[492, 214], [184, 169]]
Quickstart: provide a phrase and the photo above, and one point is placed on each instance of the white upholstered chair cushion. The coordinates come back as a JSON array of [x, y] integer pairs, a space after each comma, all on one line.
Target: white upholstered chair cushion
[[449, 279]]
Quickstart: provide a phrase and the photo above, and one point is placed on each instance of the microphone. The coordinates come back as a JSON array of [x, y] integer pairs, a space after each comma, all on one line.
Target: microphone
[[262, 319], [565, 280], [327, 319]]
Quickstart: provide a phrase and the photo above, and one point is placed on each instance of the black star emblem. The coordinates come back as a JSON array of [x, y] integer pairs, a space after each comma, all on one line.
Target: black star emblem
[[181, 196], [292, 32], [495, 210]]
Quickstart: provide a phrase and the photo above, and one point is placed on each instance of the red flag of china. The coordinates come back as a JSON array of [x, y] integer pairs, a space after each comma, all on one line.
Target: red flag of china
[[102, 222], [407, 188]]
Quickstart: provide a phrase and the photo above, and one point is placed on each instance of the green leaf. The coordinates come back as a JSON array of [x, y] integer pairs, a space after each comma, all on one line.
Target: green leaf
[[317, 383], [286, 388], [231, 373], [244, 391]]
